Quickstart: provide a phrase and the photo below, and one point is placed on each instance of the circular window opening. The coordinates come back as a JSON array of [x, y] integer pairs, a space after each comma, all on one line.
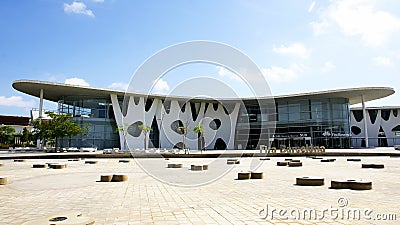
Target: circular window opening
[[215, 124]]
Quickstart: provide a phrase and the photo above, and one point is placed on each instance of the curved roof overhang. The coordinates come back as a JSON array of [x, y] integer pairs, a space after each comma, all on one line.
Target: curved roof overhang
[[55, 91]]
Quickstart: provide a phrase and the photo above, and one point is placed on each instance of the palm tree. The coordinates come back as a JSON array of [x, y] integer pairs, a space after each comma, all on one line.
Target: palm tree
[[145, 130], [200, 130], [183, 129], [124, 130]]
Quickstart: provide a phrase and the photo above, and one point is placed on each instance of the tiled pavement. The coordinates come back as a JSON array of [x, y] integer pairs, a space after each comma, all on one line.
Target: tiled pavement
[[144, 199]]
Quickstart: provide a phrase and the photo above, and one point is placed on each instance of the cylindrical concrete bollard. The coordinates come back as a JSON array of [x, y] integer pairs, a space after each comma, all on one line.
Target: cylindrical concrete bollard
[[295, 164], [285, 163], [256, 175], [39, 166], [244, 175], [3, 180], [310, 181], [119, 178], [106, 178]]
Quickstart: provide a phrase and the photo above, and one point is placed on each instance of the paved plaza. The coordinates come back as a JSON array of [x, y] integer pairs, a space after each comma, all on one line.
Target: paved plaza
[[155, 194]]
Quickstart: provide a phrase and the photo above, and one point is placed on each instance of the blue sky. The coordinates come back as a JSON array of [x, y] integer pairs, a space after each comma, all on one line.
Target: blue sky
[[300, 46]]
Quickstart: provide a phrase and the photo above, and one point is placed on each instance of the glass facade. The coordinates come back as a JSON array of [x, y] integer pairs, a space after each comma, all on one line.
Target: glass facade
[[300, 122], [287, 122], [94, 115]]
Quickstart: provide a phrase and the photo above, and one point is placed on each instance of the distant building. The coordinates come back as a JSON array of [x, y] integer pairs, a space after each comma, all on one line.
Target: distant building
[[16, 122], [383, 126]]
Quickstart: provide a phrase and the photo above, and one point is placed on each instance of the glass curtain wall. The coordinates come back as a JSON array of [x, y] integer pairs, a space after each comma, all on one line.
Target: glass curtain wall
[[96, 116], [312, 122]]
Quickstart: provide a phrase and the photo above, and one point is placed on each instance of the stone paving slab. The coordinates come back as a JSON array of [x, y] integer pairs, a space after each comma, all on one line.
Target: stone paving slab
[[144, 199]]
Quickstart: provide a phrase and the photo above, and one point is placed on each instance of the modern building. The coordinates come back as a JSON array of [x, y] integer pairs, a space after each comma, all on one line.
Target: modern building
[[382, 126], [314, 118]]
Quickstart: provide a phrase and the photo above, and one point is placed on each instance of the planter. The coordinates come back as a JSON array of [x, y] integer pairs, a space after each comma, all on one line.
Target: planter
[[310, 181]]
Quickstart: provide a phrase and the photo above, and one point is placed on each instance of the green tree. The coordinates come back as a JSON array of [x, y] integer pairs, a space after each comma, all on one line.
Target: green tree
[[200, 131], [145, 129], [6, 134], [59, 126], [27, 137]]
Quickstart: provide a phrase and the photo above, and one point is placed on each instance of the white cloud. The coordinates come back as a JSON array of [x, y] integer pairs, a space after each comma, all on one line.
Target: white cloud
[[98, 1], [16, 101], [328, 67], [382, 61], [78, 8], [319, 27], [223, 72], [119, 86], [280, 74], [295, 49], [311, 7], [76, 81], [359, 18], [160, 86]]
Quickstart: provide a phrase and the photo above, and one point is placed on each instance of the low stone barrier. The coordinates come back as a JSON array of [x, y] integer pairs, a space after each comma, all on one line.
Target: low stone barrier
[[57, 166], [232, 161], [39, 166], [3, 180], [328, 160], [119, 178], [244, 175], [19, 160], [205, 167], [106, 178], [1, 164], [196, 167], [124, 161], [310, 181], [265, 159], [373, 166], [297, 150], [284, 163], [354, 160], [256, 175], [174, 165], [91, 162], [295, 164], [351, 184]]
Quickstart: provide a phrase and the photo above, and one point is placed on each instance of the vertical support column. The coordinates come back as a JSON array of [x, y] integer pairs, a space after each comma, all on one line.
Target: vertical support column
[[365, 121], [39, 141]]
